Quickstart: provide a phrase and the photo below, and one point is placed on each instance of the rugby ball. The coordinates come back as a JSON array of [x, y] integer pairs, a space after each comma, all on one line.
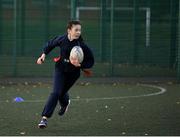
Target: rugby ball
[[77, 51]]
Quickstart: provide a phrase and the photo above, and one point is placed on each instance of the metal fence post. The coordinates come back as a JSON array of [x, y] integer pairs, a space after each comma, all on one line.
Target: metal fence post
[[149, 52], [14, 57], [73, 9], [135, 19], [22, 26], [178, 57], [174, 20], [111, 38], [102, 28], [46, 19], [1, 26]]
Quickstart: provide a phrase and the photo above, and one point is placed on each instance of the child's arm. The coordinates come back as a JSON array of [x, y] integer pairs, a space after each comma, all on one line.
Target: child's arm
[[41, 59], [50, 45], [88, 61]]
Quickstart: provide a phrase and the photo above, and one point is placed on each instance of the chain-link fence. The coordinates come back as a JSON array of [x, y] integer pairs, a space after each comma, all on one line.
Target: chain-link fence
[[129, 38]]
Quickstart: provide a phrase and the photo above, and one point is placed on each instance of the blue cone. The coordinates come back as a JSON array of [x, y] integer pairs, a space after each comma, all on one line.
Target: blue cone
[[18, 99]]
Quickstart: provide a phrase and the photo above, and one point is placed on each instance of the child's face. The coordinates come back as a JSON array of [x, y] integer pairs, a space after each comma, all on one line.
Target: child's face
[[75, 31]]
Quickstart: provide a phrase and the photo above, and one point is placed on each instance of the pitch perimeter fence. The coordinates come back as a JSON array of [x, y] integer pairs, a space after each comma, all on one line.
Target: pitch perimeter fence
[[129, 38]]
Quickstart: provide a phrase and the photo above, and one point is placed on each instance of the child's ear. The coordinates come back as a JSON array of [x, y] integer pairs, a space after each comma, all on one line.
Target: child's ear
[[68, 30]]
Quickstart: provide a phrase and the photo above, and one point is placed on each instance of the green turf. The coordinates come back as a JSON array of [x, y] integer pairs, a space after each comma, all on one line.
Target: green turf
[[154, 115]]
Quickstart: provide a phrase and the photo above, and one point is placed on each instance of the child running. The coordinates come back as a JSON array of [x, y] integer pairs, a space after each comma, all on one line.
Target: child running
[[67, 69]]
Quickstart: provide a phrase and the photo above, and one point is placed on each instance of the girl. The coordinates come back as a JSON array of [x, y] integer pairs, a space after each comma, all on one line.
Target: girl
[[67, 70]]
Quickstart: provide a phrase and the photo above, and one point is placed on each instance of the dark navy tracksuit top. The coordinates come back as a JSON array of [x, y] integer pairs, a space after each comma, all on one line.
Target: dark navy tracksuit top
[[65, 46], [66, 74]]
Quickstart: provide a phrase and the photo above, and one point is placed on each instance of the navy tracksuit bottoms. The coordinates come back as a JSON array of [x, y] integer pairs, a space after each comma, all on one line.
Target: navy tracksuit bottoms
[[63, 81]]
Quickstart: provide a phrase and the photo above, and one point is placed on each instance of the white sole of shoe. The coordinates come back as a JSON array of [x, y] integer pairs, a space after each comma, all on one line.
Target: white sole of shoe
[[41, 126], [68, 106]]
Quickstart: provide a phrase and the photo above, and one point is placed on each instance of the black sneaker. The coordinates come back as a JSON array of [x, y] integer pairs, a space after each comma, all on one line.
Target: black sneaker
[[63, 109], [43, 123]]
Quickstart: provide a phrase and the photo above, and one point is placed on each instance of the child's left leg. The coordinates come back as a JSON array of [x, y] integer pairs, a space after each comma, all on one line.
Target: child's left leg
[[64, 101]]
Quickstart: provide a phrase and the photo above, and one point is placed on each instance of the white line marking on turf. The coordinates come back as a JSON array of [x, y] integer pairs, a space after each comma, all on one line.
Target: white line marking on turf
[[162, 91]]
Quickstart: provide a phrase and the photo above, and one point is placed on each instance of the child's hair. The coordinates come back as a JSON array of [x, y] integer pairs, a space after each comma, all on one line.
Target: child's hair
[[73, 22]]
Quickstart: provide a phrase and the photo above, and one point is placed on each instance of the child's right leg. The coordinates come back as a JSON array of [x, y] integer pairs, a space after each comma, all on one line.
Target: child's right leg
[[53, 98]]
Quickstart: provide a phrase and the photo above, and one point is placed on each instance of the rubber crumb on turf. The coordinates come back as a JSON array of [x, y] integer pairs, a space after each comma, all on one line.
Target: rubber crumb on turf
[[88, 83], [106, 106], [10, 82], [3, 87], [22, 133], [123, 133], [170, 83], [39, 83], [34, 86], [26, 83]]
